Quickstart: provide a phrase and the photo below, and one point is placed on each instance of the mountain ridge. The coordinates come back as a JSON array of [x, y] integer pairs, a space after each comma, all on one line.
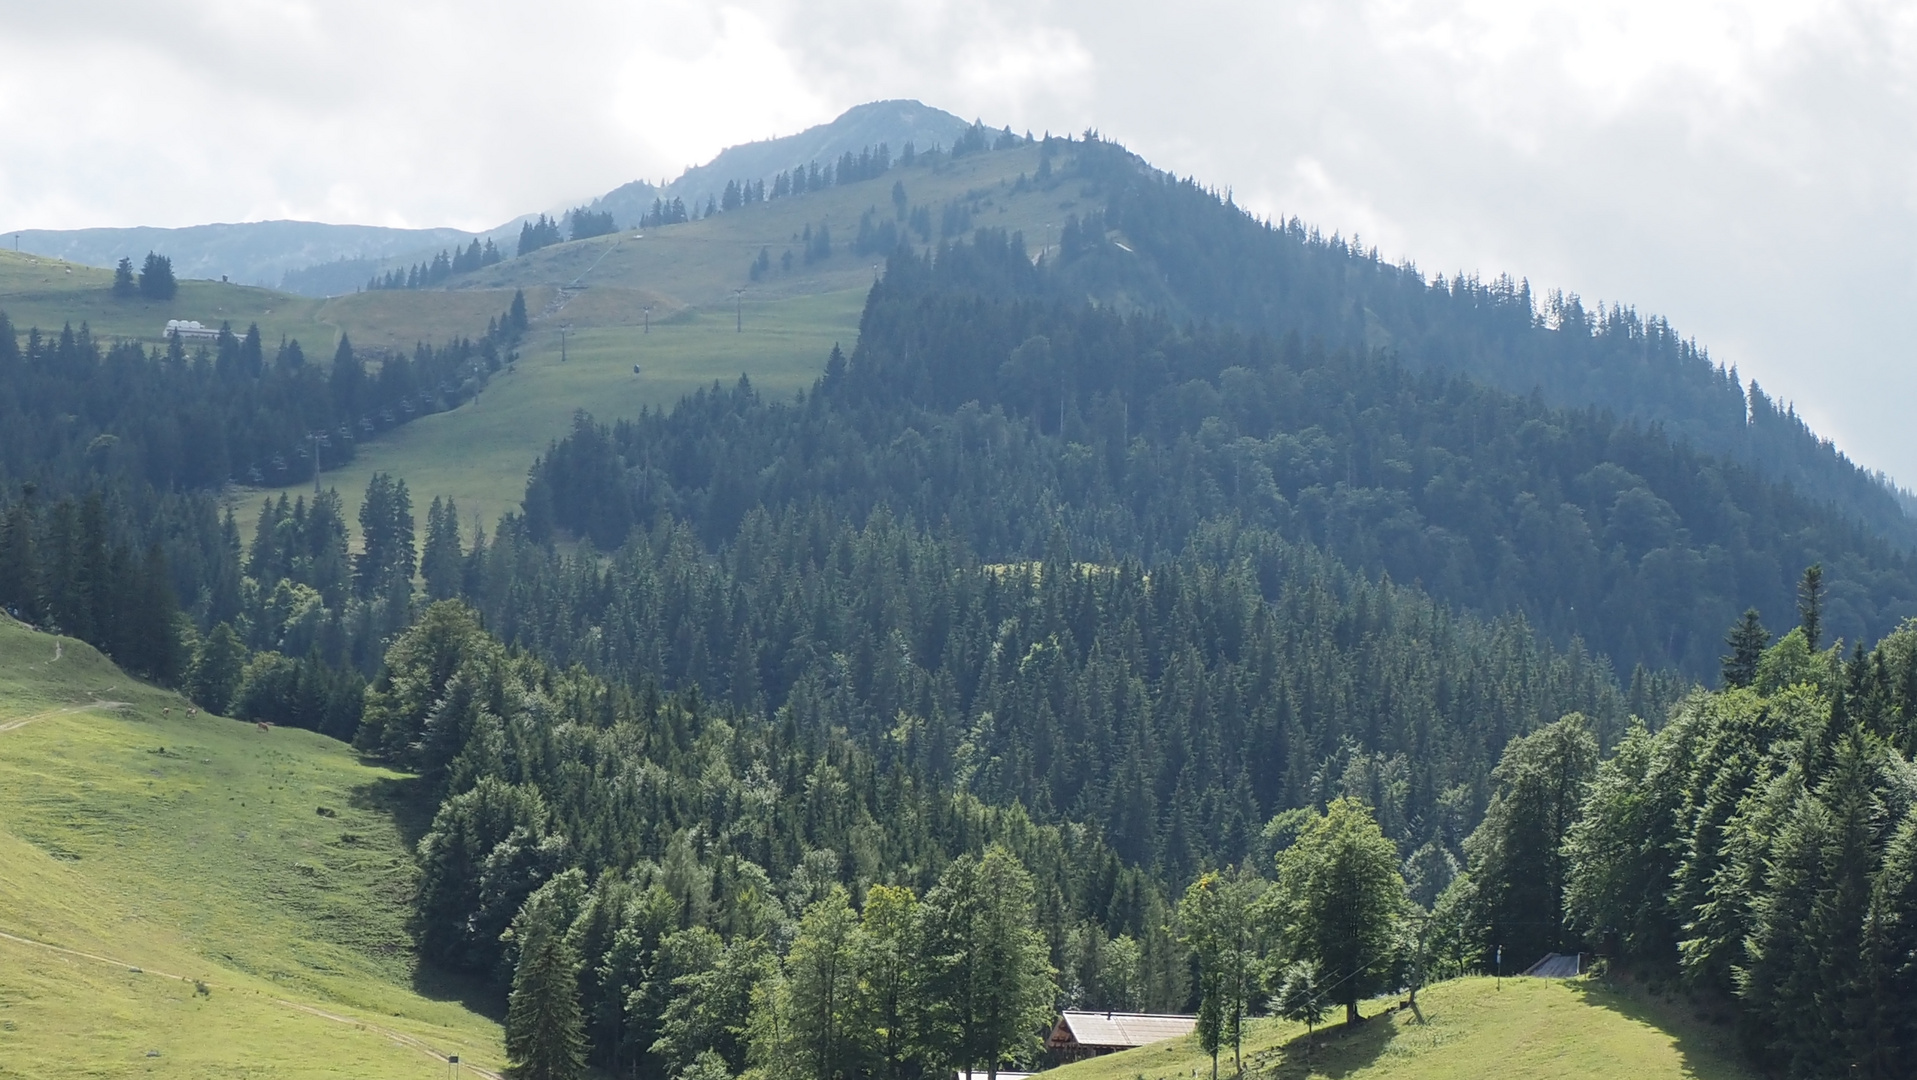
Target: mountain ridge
[[324, 259]]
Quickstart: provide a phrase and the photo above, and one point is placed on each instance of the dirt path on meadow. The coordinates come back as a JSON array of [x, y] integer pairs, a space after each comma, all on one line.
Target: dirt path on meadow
[[14, 725]]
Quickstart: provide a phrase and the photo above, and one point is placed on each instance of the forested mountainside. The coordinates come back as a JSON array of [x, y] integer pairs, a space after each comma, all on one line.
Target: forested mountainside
[[943, 680], [979, 405], [77, 412], [1170, 245]]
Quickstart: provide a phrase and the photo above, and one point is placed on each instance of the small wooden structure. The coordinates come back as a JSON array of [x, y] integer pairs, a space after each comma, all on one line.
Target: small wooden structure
[[1079, 1035]]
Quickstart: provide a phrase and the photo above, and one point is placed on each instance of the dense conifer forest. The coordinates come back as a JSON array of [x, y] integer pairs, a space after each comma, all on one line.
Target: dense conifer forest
[[1071, 641], [978, 404]]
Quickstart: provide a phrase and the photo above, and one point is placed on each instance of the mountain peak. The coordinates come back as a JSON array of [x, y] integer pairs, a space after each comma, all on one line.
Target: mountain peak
[[893, 122]]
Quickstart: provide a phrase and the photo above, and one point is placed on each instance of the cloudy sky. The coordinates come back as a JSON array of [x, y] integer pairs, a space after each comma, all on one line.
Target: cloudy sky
[[1747, 169]]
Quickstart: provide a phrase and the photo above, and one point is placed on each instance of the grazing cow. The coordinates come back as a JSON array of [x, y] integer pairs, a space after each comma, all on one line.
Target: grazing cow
[[264, 726]]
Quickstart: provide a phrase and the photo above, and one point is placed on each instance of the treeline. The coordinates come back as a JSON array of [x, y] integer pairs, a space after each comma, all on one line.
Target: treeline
[[438, 269], [64, 566], [75, 414], [109, 525], [1759, 849], [1129, 432], [579, 223], [1192, 253], [155, 280]]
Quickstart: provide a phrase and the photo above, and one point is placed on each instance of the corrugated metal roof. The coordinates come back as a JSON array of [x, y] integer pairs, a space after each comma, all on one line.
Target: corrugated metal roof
[[1125, 1029], [1557, 966]]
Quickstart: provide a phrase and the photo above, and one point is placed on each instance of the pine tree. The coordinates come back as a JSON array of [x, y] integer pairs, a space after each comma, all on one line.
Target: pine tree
[[20, 564], [1300, 999], [1747, 641], [545, 1027], [441, 562], [1810, 604], [516, 314], [124, 285], [156, 278]]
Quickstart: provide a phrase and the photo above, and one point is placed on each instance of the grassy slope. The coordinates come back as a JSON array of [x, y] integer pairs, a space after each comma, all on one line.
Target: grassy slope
[[1472, 1029], [192, 847], [687, 273], [478, 454], [47, 293]]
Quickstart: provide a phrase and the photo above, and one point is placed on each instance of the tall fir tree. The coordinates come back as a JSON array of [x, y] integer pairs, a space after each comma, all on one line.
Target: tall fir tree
[[1747, 641], [545, 1027]]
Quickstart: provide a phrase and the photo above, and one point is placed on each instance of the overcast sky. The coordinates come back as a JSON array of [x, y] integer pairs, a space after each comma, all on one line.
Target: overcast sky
[[1746, 169]]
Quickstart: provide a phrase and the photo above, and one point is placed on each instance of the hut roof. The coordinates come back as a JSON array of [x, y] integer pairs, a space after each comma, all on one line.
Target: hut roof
[[1116, 1029]]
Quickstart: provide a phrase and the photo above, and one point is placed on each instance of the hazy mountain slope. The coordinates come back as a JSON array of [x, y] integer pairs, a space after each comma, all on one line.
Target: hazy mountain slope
[[1175, 245], [598, 290], [893, 123], [250, 253], [319, 259]]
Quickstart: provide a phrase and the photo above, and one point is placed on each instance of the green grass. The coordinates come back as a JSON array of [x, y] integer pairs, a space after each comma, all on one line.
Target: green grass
[[478, 454], [192, 847], [1471, 1029], [48, 293]]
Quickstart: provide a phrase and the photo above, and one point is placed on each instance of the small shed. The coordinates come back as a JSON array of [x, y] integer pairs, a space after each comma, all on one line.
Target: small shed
[[191, 330], [1079, 1035]]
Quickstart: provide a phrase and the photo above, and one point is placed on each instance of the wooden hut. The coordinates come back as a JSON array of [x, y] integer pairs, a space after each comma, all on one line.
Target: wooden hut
[[1079, 1035]]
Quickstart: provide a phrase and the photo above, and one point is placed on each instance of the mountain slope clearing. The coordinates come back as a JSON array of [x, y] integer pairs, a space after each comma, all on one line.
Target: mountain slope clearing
[[185, 895]]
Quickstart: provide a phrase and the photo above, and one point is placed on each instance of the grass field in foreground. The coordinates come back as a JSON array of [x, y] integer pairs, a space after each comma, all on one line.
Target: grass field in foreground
[[478, 454], [133, 836], [1530, 1029]]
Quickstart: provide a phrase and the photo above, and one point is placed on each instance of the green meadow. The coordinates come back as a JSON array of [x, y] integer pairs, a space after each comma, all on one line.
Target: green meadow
[[190, 896], [1465, 1029], [478, 454]]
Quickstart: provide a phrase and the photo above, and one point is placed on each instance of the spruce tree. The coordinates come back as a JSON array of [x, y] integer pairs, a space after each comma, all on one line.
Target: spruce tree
[[441, 561], [1810, 604], [124, 286], [545, 1027], [1747, 641], [156, 278], [20, 564]]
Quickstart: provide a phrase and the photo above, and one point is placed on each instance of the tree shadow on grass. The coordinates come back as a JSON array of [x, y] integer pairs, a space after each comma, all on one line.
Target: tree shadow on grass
[[406, 800], [1710, 1051], [1336, 1050], [472, 992]]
